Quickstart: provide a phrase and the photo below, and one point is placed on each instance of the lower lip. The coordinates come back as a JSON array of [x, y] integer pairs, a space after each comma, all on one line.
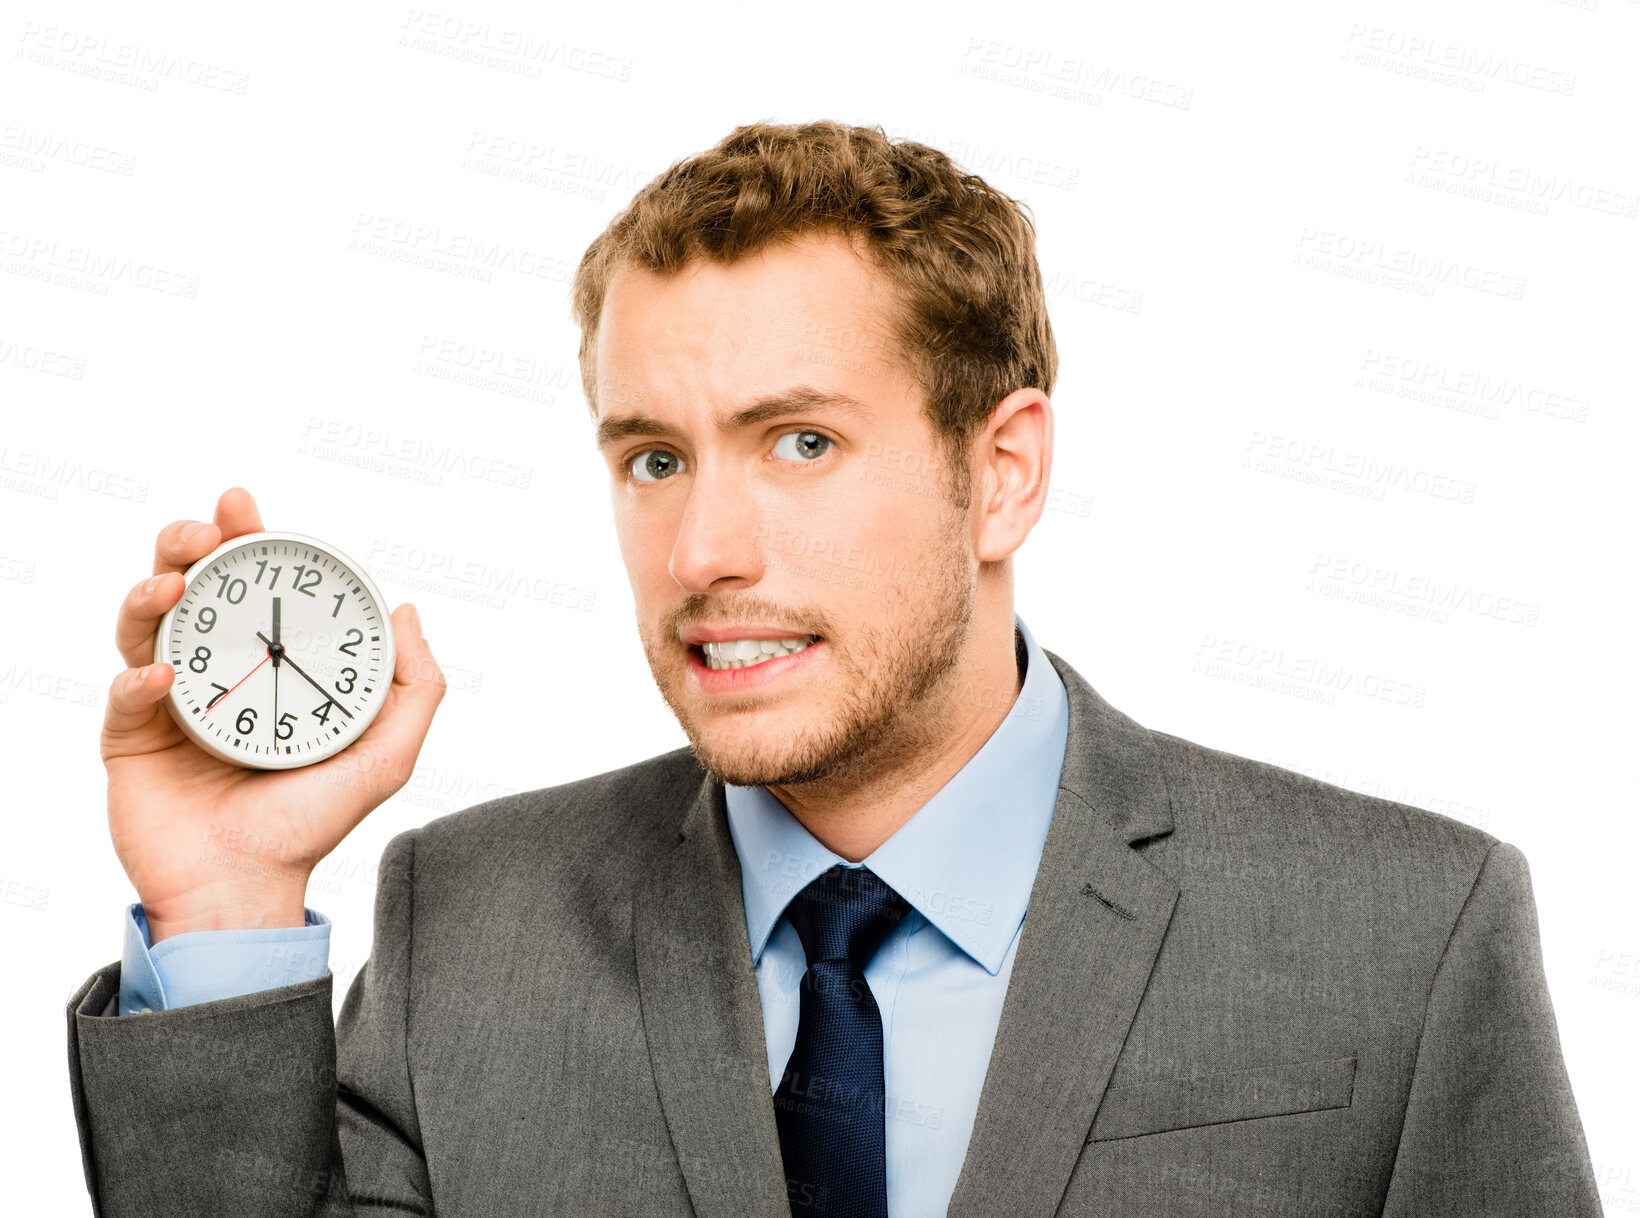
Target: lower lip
[[741, 680]]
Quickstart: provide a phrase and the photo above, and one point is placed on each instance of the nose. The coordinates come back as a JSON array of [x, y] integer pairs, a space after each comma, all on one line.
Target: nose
[[718, 533]]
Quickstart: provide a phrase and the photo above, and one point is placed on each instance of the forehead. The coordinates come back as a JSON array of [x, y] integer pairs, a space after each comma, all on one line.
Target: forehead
[[813, 308]]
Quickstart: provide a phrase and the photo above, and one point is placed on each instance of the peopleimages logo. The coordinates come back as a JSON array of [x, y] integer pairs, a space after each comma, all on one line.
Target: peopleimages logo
[[1450, 62], [1518, 186], [1056, 75], [380, 451], [1434, 380], [33, 148], [1324, 249], [1367, 474], [78, 266], [122, 62], [42, 474], [430, 246], [506, 49]]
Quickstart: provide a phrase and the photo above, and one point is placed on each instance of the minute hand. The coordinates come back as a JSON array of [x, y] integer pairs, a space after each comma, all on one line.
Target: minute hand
[[329, 697]]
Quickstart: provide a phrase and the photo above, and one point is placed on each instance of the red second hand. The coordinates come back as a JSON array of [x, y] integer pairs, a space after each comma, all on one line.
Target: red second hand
[[241, 680]]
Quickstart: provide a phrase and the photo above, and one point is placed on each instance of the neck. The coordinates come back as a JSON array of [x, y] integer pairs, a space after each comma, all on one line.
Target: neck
[[853, 816]]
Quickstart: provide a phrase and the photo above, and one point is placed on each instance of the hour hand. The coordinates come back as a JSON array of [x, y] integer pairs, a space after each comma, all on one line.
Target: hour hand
[[274, 648]]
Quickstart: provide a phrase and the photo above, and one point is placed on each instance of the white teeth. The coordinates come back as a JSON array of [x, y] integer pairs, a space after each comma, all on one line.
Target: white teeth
[[744, 653]]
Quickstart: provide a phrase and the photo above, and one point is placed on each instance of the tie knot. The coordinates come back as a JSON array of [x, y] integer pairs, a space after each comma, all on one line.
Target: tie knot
[[845, 914]]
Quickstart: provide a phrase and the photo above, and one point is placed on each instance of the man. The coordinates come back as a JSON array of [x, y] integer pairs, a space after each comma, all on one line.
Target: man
[[917, 924]]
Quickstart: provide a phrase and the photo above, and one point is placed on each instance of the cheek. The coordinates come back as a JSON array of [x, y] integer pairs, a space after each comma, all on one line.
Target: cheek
[[646, 572], [643, 536]]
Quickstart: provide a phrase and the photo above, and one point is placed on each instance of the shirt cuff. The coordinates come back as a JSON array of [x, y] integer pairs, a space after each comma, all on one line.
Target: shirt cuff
[[205, 965]]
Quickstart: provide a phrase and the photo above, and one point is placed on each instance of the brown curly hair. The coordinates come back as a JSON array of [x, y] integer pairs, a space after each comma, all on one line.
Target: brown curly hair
[[960, 254]]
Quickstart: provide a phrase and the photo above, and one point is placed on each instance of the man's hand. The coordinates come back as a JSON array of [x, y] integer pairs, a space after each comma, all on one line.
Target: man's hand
[[211, 846]]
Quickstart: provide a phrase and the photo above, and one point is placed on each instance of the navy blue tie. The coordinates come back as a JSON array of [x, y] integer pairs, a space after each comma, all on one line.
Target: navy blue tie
[[829, 1105]]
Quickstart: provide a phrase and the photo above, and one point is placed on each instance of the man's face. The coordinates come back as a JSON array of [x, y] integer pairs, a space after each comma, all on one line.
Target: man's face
[[818, 520]]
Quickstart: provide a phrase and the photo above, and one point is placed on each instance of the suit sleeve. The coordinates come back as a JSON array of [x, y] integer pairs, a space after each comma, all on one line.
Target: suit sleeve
[[257, 1104], [1491, 1126]]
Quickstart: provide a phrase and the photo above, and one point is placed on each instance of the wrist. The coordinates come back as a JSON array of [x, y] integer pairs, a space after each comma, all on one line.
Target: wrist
[[227, 909]]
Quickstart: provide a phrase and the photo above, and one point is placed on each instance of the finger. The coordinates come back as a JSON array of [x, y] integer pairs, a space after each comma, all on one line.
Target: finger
[[392, 742], [140, 613], [133, 699], [236, 513], [184, 542]]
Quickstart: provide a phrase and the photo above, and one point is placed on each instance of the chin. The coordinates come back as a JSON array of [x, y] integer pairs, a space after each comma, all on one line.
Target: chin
[[729, 758]]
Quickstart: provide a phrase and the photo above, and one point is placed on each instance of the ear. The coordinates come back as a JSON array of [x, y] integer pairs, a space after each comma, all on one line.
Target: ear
[[1012, 458]]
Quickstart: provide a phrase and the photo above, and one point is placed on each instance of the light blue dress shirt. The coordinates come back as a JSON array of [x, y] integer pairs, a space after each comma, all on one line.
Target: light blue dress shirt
[[965, 862], [205, 965]]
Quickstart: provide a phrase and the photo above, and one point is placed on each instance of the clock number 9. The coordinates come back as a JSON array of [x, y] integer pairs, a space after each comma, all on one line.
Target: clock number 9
[[205, 624]]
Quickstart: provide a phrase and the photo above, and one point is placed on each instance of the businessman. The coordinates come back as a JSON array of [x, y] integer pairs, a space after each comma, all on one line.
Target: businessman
[[917, 924]]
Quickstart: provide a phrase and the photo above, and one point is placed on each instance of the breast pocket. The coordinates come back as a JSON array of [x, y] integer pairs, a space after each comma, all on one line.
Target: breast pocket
[[1211, 1099]]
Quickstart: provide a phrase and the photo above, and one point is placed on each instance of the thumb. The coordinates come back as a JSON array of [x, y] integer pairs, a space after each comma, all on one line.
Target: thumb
[[395, 738]]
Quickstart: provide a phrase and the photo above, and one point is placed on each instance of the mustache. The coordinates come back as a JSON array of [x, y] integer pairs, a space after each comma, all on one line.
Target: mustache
[[698, 610]]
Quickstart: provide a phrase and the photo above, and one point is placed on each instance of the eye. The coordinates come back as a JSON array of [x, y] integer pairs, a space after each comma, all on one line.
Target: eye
[[806, 449], [656, 462]]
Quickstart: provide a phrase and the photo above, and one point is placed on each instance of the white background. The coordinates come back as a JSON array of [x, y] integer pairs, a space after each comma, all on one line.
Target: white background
[[1344, 299]]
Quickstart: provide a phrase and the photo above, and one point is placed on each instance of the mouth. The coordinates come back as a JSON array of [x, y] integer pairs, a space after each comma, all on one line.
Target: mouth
[[748, 653]]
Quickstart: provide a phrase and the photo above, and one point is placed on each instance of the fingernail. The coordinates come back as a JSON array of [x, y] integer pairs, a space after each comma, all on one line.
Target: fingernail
[[152, 584], [145, 671], [191, 529]]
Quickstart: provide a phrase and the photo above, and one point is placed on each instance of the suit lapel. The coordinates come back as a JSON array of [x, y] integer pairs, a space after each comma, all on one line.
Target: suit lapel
[[1095, 923], [704, 1021]]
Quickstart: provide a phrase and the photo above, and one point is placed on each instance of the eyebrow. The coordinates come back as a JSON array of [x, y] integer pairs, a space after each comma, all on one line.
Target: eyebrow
[[797, 400]]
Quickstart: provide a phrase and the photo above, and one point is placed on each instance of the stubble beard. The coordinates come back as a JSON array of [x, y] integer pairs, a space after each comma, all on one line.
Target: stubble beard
[[891, 690]]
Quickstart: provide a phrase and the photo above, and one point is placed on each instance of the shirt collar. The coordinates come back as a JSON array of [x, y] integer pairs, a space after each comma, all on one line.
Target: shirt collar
[[966, 860]]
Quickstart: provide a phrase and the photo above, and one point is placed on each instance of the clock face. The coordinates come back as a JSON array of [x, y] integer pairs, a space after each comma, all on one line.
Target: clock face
[[282, 650]]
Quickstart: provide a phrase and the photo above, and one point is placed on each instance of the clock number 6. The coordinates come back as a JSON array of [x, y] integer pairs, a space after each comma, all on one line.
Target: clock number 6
[[241, 725]]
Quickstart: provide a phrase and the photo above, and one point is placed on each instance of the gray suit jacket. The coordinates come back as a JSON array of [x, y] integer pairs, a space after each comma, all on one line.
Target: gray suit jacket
[[1238, 991]]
